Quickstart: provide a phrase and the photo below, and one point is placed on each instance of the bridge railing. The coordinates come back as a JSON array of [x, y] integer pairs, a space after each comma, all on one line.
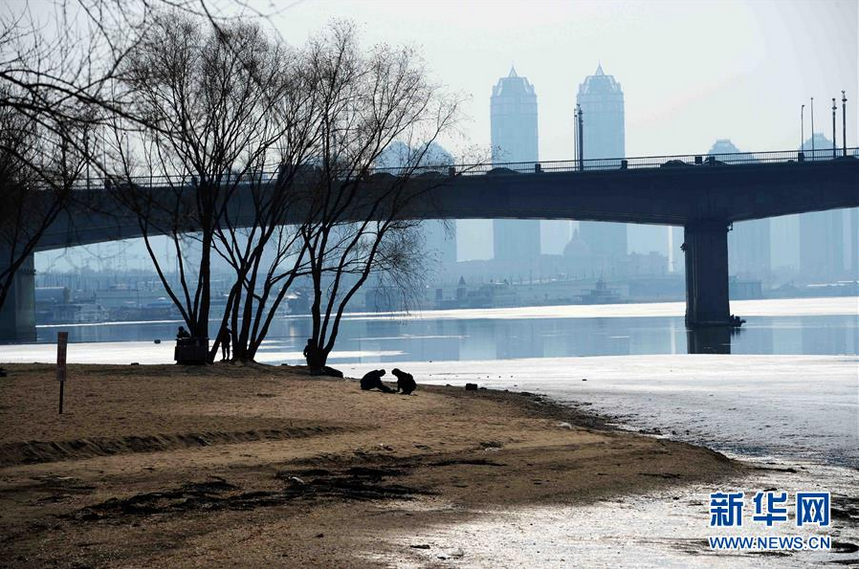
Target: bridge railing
[[639, 162], [531, 167]]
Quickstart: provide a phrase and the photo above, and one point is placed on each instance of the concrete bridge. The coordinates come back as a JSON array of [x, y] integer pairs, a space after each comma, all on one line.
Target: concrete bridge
[[703, 194]]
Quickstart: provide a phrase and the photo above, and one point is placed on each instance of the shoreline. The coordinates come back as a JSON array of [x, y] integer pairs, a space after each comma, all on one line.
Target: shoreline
[[174, 463]]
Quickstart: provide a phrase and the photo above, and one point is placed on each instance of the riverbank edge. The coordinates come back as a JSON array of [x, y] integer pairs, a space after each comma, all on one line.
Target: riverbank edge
[[536, 444]]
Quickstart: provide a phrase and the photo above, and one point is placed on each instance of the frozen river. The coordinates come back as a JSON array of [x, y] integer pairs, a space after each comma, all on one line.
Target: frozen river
[[783, 393], [785, 385], [826, 326]]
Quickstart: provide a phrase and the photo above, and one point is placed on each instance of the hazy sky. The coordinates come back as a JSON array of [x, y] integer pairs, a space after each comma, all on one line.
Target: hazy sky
[[691, 71]]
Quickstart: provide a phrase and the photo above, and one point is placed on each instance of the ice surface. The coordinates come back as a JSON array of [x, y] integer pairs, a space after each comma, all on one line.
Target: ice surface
[[805, 407], [769, 307]]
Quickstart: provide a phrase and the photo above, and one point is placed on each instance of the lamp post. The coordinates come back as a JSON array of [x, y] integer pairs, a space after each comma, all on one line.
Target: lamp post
[[802, 129], [844, 125], [812, 129], [834, 108], [575, 137], [581, 140]]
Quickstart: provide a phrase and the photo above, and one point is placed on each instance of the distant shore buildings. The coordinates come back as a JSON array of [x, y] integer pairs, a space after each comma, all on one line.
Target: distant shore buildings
[[785, 252], [439, 236], [821, 233], [749, 250]]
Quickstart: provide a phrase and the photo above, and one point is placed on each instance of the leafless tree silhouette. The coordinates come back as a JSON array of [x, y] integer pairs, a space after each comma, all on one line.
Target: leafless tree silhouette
[[57, 70], [206, 101], [358, 226], [39, 166]]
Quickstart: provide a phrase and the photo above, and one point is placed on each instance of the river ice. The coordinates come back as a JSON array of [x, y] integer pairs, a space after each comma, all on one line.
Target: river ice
[[794, 417], [805, 407], [796, 412]]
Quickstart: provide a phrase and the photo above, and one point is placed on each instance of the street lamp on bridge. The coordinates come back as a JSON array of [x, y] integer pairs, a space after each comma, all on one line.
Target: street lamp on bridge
[[580, 137], [802, 129], [812, 129], [834, 108], [844, 123]]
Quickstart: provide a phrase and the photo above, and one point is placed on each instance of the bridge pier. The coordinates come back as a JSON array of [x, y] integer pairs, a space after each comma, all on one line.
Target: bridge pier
[[18, 313], [706, 248]]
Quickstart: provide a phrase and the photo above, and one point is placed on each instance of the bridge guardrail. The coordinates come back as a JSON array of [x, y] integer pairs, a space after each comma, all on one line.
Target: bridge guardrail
[[548, 166], [665, 161]]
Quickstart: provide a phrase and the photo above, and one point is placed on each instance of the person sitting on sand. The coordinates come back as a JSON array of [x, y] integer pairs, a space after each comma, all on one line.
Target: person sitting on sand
[[405, 382], [373, 380], [225, 337], [182, 334]]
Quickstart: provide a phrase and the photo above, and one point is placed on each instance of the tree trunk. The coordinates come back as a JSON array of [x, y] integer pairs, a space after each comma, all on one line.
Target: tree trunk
[[316, 358]]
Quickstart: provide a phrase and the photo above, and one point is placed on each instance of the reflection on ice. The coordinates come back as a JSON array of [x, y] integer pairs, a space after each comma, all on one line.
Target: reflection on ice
[[832, 306], [532, 332], [667, 528], [803, 407], [149, 353]]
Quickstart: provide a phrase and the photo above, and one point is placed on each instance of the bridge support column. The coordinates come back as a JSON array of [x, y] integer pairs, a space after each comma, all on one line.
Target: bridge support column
[[18, 313], [706, 248]]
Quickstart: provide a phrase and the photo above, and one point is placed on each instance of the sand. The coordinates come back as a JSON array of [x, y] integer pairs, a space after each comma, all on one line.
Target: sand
[[164, 466]]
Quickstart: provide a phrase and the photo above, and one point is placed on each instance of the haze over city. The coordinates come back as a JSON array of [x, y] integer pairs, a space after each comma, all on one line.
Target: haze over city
[[691, 74], [408, 284]]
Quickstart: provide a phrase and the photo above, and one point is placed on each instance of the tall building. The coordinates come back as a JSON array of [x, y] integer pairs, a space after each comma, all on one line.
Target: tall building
[[601, 101], [439, 236], [513, 108], [821, 233], [749, 254]]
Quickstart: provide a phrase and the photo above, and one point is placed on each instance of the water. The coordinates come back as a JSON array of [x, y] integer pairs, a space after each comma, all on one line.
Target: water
[[787, 389], [783, 393], [801, 326], [797, 407]]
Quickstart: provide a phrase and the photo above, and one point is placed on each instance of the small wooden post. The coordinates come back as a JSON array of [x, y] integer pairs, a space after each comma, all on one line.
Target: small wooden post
[[62, 342]]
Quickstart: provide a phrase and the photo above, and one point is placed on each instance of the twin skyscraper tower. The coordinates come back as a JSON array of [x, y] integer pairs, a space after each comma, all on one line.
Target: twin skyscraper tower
[[515, 139]]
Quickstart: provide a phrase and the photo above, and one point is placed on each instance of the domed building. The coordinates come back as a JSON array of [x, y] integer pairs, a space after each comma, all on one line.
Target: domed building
[[577, 248], [439, 240], [580, 260]]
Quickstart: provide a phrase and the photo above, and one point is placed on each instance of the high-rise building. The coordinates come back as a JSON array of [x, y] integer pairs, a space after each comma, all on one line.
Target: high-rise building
[[514, 139], [439, 236], [821, 233], [601, 101], [749, 254]]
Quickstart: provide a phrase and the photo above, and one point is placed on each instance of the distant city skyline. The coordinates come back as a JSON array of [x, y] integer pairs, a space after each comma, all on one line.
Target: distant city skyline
[[693, 72], [687, 82], [749, 242]]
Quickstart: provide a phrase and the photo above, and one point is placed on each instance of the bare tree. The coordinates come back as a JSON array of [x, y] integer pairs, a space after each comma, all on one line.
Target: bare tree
[[56, 71], [316, 216], [39, 167], [204, 129], [44, 126], [200, 112], [357, 224]]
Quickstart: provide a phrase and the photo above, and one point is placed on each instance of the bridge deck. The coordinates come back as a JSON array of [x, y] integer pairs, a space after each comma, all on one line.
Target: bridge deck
[[667, 190]]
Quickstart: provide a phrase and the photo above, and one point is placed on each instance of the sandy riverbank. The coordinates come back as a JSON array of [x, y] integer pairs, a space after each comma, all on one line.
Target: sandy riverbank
[[168, 466]]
